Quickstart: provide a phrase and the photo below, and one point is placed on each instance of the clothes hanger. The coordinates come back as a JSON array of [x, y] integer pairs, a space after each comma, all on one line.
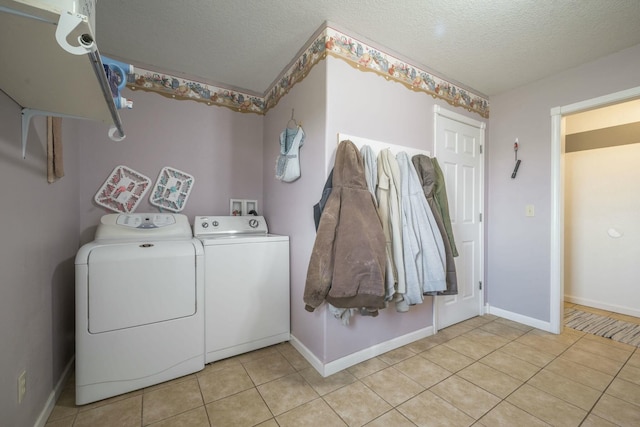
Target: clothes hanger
[[296, 125]]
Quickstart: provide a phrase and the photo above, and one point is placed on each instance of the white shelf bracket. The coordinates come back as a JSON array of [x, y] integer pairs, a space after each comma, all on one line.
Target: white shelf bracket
[[67, 23], [27, 114]]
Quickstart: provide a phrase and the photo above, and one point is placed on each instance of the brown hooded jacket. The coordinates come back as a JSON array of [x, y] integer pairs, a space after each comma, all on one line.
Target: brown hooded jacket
[[347, 264]]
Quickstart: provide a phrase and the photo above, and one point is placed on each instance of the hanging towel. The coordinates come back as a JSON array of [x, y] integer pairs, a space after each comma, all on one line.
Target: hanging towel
[[55, 165], [288, 162], [427, 176], [346, 268], [424, 256]]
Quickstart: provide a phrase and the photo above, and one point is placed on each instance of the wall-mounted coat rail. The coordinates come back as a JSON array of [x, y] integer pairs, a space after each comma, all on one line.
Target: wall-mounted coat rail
[[51, 65]]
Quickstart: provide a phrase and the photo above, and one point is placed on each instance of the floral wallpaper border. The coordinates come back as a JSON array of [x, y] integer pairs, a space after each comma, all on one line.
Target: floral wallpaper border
[[329, 41]]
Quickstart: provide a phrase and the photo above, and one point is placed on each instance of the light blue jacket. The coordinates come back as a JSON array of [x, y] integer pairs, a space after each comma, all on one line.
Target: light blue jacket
[[424, 252]]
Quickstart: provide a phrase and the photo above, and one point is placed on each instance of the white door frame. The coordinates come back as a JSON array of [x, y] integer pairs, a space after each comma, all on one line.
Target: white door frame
[[439, 111], [557, 194]]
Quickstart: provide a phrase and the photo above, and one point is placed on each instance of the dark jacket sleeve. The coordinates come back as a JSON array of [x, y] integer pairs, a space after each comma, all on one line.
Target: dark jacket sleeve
[[319, 207], [320, 271]]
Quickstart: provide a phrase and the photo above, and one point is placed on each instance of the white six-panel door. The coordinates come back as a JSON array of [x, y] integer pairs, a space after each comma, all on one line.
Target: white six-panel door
[[458, 141]]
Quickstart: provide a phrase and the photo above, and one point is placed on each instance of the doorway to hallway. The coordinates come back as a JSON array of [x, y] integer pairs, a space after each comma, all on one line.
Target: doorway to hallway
[[557, 194]]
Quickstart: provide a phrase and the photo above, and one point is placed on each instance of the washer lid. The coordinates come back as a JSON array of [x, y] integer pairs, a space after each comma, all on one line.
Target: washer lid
[[143, 226]]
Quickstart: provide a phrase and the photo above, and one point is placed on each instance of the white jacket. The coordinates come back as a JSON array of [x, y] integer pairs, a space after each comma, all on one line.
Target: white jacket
[[388, 194], [424, 253]]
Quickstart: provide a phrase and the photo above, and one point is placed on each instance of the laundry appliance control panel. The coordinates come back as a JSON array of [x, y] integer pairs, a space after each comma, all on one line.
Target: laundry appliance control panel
[[216, 225], [143, 226]]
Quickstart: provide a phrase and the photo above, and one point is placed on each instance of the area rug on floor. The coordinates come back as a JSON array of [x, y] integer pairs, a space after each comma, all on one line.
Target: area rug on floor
[[596, 324]]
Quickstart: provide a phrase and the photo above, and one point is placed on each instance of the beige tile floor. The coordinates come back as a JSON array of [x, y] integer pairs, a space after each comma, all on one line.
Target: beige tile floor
[[486, 371]]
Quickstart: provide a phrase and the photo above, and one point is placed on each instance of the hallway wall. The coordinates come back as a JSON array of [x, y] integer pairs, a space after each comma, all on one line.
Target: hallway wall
[[602, 232], [519, 247]]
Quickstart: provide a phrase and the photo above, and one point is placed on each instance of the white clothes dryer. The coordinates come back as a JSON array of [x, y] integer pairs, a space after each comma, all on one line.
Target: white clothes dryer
[[246, 285], [139, 305]]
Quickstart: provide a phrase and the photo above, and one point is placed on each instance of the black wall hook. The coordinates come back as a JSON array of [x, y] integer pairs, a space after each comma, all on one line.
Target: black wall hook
[[515, 150]]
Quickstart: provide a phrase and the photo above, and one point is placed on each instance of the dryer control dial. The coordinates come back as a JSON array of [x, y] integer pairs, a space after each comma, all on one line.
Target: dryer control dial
[[253, 223], [205, 224]]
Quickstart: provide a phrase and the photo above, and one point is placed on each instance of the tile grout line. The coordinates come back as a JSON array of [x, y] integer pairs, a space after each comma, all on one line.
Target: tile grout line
[[393, 407], [609, 385], [602, 393], [517, 388], [543, 391]]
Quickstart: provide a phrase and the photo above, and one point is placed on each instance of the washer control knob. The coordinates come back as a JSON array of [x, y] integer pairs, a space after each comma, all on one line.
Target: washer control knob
[[205, 224], [253, 223], [215, 223]]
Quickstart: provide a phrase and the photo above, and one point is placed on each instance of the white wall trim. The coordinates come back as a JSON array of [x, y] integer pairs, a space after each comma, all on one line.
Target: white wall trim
[[54, 395], [601, 101], [556, 279], [307, 354], [525, 320], [458, 117], [557, 194], [326, 369], [629, 311]]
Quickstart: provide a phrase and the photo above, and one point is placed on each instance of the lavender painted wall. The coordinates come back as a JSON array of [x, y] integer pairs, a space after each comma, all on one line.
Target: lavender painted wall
[[39, 230], [337, 98], [289, 206], [221, 148], [518, 247], [367, 105]]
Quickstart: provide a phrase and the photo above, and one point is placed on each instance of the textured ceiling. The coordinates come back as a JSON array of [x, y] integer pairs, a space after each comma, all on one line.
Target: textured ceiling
[[490, 46]]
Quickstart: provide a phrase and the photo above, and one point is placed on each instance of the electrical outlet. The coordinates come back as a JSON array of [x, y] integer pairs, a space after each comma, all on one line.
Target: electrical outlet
[[530, 210], [22, 386]]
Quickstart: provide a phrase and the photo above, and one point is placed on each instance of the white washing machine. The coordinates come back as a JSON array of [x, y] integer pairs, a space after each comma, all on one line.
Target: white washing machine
[[246, 285], [139, 305]]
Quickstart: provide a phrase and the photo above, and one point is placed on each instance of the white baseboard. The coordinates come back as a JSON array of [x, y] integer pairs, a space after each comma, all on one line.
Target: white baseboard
[[326, 369], [603, 305], [525, 320], [54, 395]]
